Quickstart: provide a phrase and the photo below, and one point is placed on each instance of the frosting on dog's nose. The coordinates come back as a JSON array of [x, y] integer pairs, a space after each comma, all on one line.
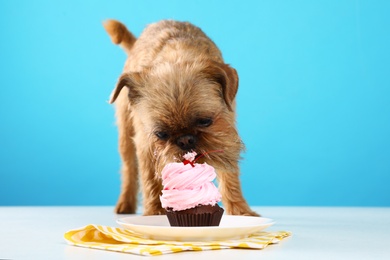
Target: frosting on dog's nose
[[186, 142]]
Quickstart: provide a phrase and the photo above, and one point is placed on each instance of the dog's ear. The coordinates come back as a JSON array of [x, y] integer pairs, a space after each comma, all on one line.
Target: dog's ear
[[231, 86], [131, 81], [227, 77]]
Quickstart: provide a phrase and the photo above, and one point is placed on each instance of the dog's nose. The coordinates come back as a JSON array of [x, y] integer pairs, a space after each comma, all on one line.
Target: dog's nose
[[186, 142]]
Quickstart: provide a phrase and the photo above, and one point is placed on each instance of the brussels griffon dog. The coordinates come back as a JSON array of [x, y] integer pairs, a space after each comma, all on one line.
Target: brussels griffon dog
[[175, 95]]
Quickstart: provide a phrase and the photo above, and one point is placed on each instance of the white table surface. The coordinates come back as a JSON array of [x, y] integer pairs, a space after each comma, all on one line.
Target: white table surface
[[318, 233]]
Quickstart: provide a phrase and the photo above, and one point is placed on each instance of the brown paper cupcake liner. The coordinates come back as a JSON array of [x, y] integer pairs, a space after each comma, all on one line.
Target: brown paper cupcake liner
[[196, 217]]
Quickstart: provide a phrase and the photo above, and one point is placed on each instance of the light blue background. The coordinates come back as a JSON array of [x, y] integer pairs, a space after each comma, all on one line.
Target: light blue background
[[313, 103]]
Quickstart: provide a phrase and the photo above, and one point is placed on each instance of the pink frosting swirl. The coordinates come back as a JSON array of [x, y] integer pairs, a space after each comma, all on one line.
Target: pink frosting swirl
[[186, 186]]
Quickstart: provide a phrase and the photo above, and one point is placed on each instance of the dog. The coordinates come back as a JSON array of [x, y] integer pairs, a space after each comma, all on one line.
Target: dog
[[175, 95]]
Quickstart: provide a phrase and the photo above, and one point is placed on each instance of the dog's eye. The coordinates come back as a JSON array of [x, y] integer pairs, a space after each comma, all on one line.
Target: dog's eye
[[204, 122], [162, 135]]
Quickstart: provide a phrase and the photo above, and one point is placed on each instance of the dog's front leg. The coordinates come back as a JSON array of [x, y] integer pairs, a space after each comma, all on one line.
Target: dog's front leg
[[127, 202], [232, 198], [151, 186]]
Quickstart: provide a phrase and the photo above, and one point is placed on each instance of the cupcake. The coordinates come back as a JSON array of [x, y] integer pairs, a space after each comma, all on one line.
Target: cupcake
[[189, 195]]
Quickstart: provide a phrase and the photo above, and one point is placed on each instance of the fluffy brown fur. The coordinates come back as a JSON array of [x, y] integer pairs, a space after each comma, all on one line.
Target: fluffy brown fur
[[175, 95]]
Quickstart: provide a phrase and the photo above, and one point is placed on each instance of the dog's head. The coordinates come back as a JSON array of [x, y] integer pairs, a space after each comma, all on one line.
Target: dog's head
[[185, 107]]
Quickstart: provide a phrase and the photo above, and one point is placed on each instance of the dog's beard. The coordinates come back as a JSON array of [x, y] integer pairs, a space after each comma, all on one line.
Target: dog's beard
[[216, 150]]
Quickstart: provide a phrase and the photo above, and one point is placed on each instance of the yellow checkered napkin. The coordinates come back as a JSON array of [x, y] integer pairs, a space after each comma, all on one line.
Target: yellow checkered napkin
[[122, 240]]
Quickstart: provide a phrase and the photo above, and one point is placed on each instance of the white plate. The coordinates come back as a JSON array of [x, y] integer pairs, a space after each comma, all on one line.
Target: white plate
[[158, 228]]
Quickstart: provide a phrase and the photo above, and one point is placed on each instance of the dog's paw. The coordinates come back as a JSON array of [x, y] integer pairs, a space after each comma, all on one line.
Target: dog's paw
[[251, 213], [244, 210], [124, 207], [156, 211]]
